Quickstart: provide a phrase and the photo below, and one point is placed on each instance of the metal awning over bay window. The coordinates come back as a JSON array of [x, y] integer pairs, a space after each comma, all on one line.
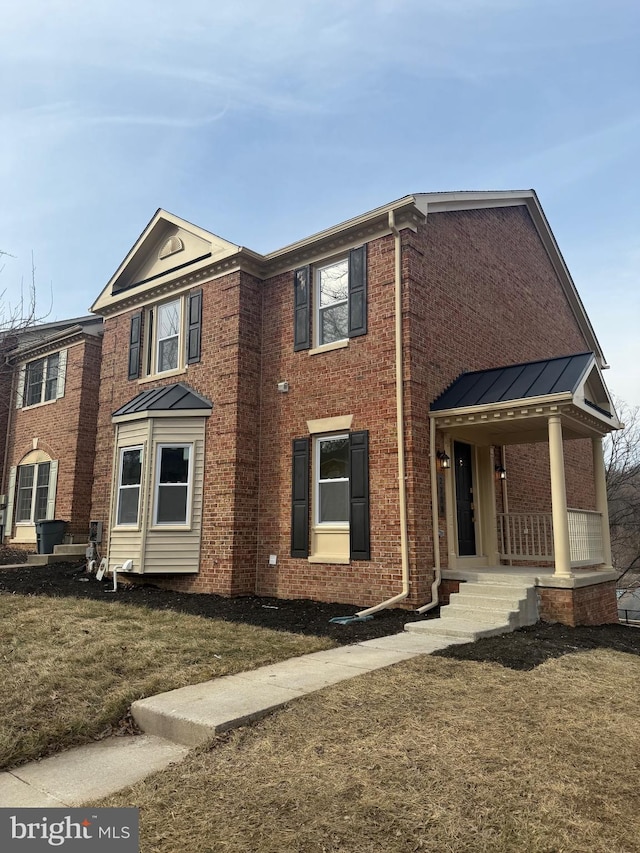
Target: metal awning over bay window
[[548, 401]]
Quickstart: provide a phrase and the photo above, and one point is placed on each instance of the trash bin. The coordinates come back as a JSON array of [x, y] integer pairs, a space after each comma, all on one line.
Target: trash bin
[[48, 534]]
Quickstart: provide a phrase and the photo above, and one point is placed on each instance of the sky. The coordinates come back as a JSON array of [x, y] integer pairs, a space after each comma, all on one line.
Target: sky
[[265, 122]]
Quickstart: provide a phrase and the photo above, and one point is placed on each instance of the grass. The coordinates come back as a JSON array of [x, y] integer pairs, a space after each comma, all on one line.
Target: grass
[[70, 669], [429, 755]]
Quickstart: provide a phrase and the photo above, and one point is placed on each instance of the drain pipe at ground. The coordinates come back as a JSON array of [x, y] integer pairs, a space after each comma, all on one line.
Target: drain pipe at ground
[[434, 518], [400, 431]]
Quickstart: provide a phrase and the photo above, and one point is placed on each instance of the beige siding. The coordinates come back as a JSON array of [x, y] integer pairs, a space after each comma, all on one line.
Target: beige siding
[[177, 550], [126, 543]]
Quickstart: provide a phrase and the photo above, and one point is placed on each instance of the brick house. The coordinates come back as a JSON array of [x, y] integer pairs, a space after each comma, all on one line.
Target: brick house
[[335, 420], [48, 415]]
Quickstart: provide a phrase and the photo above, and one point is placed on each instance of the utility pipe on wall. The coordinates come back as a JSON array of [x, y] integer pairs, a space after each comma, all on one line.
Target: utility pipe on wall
[[434, 518], [402, 488]]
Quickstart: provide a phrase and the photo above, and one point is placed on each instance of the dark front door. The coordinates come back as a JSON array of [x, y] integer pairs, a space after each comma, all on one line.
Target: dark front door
[[464, 499]]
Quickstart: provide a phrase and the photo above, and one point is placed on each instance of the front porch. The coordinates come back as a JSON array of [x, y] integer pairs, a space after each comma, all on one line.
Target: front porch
[[564, 551]]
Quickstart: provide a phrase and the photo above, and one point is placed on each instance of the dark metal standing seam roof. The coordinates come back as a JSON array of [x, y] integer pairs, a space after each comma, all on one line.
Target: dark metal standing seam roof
[[177, 397], [515, 382]]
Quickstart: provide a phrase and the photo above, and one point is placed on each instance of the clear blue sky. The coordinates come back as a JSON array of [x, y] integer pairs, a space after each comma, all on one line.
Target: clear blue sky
[[267, 121]]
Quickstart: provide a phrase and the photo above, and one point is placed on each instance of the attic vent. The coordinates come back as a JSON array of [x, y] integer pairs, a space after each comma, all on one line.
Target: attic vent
[[172, 245]]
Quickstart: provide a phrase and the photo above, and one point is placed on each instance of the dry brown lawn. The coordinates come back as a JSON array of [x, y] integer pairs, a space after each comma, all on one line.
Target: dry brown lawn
[[430, 755], [70, 669]]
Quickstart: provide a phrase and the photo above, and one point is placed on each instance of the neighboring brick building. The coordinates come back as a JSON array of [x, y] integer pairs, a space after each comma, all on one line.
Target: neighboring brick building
[[48, 416], [253, 436]]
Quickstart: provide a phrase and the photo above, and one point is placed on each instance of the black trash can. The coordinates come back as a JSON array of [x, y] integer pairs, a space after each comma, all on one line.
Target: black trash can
[[48, 534]]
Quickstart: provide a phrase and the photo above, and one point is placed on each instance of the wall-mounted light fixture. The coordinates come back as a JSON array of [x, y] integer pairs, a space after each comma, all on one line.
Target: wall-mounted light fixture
[[443, 459], [283, 387], [501, 471]]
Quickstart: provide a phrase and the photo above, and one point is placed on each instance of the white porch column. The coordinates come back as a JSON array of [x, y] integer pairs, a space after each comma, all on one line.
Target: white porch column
[[561, 545], [602, 506]]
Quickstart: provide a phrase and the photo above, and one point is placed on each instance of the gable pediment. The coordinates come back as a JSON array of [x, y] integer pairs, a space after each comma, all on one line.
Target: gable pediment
[[168, 249]]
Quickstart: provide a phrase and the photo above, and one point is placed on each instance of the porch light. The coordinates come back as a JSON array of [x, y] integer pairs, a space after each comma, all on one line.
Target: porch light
[[501, 471], [443, 459]]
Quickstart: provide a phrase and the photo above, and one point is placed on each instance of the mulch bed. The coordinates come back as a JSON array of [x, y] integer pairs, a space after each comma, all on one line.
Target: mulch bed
[[523, 649]]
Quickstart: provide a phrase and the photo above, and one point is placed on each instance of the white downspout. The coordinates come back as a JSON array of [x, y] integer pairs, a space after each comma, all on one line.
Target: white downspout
[[434, 518], [399, 429]]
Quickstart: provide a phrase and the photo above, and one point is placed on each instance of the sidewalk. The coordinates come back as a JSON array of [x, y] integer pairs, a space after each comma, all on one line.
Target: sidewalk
[[181, 719]]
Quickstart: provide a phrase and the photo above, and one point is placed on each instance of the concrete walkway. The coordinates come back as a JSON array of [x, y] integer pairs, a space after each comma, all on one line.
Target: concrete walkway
[[176, 721]]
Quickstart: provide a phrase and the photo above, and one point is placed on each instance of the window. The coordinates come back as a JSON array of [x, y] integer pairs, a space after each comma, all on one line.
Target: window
[[42, 380], [332, 480], [339, 301], [171, 336], [129, 480], [32, 494], [332, 285], [340, 498], [173, 484]]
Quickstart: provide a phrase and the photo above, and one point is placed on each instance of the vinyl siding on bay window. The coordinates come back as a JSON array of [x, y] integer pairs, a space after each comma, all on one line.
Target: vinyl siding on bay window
[[168, 548]]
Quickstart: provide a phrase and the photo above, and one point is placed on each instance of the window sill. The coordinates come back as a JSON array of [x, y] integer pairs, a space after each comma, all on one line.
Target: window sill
[[329, 347], [38, 405], [171, 528], [153, 377], [327, 558]]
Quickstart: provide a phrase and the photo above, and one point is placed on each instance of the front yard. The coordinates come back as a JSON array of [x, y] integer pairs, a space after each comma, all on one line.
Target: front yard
[[436, 755], [71, 668]]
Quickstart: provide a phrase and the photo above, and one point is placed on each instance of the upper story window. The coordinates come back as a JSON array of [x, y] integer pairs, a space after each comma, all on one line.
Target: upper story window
[[168, 339], [331, 300], [167, 332], [334, 309], [42, 380]]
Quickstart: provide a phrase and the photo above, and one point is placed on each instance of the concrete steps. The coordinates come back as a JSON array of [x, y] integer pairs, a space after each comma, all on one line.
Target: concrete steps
[[61, 554], [483, 608]]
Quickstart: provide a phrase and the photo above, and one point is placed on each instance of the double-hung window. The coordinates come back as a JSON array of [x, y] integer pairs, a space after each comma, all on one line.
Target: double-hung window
[[32, 492], [330, 302], [173, 484], [332, 288], [332, 480], [41, 380], [129, 482], [168, 339]]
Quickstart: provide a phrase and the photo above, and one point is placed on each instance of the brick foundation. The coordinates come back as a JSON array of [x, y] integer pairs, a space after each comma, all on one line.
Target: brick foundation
[[587, 605]]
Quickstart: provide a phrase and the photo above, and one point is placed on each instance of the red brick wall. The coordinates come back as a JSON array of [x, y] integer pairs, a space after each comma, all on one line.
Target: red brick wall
[[65, 429], [357, 380], [587, 605], [228, 375]]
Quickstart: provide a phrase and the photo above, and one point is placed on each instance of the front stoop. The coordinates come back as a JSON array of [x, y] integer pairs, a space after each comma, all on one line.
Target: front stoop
[[61, 554], [483, 608]]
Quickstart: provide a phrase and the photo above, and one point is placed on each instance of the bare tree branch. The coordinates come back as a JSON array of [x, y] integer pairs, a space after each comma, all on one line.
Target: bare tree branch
[[622, 458]]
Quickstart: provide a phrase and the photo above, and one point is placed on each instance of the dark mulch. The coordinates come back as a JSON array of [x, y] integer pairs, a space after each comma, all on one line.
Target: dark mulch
[[523, 649], [299, 616]]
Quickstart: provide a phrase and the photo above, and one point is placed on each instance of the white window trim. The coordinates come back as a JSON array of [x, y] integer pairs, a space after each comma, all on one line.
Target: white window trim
[[340, 526], [318, 346], [120, 487], [51, 485], [22, 391], [152, 344], [169, 525]]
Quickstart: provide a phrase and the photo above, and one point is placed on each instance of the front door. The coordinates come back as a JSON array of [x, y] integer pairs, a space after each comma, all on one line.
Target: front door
[[463, 462]]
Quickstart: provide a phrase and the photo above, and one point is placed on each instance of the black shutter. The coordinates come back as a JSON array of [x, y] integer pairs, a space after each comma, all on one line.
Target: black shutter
[[195, 327], [358, 292], [134, 346], [302, 309], [359, 540], [300, 498]]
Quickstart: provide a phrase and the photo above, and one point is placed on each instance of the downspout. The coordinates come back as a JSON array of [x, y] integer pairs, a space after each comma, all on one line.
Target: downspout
[[402, 488], [434, 518], [9, 419]]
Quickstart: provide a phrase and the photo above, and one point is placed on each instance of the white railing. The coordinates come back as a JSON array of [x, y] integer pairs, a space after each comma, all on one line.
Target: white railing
[[585, 537], [528, 536]]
